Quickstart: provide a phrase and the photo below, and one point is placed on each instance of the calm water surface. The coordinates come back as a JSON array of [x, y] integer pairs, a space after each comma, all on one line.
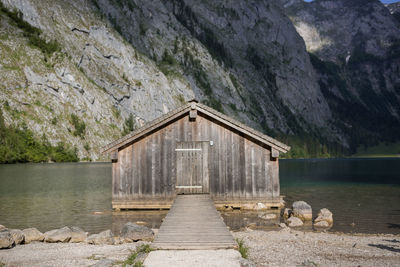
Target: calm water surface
[[363, 194]]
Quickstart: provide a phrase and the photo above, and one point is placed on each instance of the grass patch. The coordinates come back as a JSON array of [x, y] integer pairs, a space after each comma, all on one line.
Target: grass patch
[[167, 65], [129, 125], [214, 103], [138, 83], [86, 147], [54, 121], [131, 260], [113, 126], [15, 113], [79, 125], [233, 107], [179, 98], [19, 144], [242, 248], [30, 32], [234, 81], [380, 150], [116, 112], [142, 29]]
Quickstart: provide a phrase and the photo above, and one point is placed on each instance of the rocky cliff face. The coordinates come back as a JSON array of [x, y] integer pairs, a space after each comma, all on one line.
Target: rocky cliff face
[[97, 76], [354, 47], [143, 58], [244, 58], [394, 9]]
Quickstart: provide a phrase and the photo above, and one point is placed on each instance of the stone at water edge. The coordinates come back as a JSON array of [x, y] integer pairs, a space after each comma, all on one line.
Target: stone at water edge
[[324, 215], [259, 206], [322, 224], [2, 227], [294, 222], [267, 216], [18, 236], [133, 232], [62, 235], [302, 210], [32, 234], [282, 225], [119, 240], [77, 235], [103, 238], [6, 240], [287, 213]]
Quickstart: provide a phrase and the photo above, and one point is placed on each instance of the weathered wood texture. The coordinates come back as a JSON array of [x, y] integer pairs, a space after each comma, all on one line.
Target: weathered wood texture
[[228, 165], [193, 223]]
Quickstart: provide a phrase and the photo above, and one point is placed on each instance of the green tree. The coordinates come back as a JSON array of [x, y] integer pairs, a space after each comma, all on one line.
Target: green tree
[[129, 125]]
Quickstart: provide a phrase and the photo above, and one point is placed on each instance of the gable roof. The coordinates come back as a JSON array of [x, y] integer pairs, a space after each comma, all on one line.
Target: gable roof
[[194, 105]]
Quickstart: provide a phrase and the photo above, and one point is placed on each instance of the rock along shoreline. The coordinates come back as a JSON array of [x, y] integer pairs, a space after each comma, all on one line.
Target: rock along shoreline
[[130, 232]]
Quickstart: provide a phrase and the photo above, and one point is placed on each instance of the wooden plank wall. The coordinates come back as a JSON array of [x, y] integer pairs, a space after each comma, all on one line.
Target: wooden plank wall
[[238, 168]]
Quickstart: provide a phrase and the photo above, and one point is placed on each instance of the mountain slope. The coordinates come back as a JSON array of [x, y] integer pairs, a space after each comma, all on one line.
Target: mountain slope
[[96, 76], [86, 72], [394, 9], [355, 48], [118, 58], [248, 53]]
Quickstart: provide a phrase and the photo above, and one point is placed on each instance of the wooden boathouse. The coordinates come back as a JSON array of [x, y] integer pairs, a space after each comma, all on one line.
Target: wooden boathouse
[[195, 150]]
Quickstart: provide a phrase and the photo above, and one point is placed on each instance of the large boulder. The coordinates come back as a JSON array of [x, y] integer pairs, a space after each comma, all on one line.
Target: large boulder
[[6, 240], [77, 235], [103, 238], [32, 234], [302, 210], [294, 222], [133, 232], [62, 235], [324, 215], [18, 236]]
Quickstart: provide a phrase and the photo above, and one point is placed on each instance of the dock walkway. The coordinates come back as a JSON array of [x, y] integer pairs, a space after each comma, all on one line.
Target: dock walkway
[[193, 223]]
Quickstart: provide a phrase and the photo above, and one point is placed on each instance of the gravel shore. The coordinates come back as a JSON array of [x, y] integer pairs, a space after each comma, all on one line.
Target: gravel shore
[[295, 248], [64, 254], [266, 248]]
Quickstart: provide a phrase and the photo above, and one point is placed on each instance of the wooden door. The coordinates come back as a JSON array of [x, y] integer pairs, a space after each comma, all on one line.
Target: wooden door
[[191, 167]]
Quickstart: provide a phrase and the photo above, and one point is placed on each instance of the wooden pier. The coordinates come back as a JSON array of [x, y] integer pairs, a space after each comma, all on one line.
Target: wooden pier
[[193, 223]]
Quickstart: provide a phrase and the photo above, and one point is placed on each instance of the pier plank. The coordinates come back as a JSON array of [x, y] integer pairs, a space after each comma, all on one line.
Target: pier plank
[[193, 223]]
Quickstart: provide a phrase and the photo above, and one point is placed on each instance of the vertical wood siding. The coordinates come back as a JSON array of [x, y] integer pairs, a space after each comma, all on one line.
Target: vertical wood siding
[[237, 168]]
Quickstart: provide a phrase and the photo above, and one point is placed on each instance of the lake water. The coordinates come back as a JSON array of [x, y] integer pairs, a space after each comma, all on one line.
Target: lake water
[[363, 194]]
